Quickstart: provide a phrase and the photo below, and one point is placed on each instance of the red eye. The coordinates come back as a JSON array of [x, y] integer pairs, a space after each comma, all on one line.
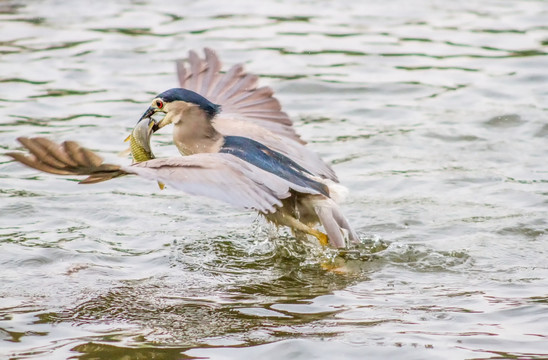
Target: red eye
[[159, 104]]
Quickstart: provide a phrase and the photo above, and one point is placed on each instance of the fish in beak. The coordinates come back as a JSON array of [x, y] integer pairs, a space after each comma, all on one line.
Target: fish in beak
[[139, 139]]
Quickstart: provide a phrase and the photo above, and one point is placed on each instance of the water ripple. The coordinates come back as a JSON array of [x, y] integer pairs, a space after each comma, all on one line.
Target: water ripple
[[434, 115]]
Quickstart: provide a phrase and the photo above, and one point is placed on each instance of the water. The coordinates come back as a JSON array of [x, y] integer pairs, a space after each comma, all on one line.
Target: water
[[432, 113]]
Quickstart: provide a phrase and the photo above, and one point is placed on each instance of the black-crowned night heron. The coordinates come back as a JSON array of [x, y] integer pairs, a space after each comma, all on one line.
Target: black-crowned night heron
[[238, 147]]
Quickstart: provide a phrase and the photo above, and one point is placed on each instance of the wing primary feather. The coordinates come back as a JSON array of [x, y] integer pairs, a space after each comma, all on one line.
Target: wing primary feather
[[259, 93], [181, 73], [32, 162], [226, 81], [91, 159], [195, 69], [39, 150], [213, 67], [265, 104], [244, 83], [73, 150], [55, 151]]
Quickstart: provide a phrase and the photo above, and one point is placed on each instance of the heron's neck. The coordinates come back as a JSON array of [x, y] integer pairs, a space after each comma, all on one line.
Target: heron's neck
[[193, 132]]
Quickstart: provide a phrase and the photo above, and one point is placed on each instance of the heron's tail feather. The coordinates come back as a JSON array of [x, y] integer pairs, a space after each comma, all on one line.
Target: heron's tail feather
[[69, 158], [334, 223]]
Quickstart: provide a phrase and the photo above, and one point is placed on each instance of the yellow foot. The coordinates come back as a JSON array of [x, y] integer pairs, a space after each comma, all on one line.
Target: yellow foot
[[322, 238]]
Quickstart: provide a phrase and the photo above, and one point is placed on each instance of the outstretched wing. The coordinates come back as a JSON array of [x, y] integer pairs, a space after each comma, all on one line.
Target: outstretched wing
[[237, 92], [219, 176], [248, 110]]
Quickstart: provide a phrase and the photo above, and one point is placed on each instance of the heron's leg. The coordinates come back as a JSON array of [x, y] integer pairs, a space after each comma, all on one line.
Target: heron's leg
[[296, 224]]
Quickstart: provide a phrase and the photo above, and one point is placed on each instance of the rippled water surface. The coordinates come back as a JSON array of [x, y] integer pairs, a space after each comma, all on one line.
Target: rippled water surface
[[434, 114]]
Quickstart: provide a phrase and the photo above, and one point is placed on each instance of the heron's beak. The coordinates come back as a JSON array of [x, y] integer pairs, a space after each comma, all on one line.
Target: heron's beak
[[148, 115], [150, 111]]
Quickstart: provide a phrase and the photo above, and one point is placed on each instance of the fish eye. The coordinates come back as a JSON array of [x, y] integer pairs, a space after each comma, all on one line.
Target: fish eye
[[159, 104]]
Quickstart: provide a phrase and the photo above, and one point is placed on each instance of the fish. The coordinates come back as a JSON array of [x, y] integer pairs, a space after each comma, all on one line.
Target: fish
[[139, 143]]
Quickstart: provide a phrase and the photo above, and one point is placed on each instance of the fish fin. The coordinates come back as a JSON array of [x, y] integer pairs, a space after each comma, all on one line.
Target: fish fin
[[124, 153]]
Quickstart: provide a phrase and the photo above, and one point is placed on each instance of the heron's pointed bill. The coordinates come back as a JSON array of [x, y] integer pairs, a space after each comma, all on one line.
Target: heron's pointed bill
[[148, 114], [157, 124]]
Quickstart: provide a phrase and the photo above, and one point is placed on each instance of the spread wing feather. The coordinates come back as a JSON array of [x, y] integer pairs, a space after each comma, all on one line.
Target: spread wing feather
[[236, 91]]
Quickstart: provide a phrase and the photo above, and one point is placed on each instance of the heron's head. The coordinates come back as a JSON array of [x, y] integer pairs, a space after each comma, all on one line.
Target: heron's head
[[176, 102]]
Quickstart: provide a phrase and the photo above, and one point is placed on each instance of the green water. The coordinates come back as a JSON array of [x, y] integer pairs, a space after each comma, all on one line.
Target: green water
[[433, 114]]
